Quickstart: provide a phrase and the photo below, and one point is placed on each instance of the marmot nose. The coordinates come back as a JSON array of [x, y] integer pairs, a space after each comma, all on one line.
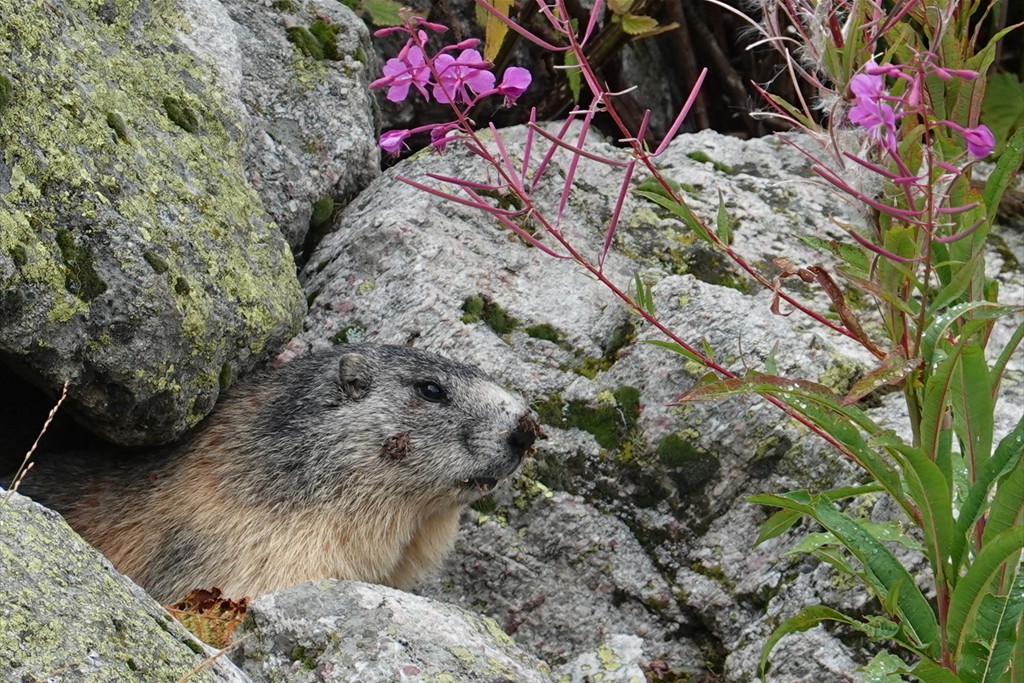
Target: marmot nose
[[520, 440]]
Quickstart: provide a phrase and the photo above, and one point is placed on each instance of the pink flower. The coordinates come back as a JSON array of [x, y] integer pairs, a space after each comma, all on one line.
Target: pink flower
[[868, 86], [980, 141], [409, 68], [869, 110], [460, 76], [514, 83], [878, 119], [440, 136], [393, 141]]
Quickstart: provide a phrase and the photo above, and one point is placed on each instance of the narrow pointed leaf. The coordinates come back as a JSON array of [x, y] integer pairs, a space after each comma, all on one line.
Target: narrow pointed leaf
[[893, 370], [1007, 456], [722, 227], [681, 210], [967, 597], [676, 348], [1007, 508], [806, 619], [988, 647]]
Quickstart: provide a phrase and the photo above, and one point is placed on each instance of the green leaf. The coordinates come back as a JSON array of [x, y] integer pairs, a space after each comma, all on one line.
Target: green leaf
[[884, 667], [1004, 173], [1007, 456], [943, 376], [931, 492], [1007, 506], [988, 647], [806, 619], [966, 599], [781, 521], [636, 25], [770, 365], [722, 227], [811, 542], [821, 406], [676, 348], [930, 672], [999, 367], [963, 275], [893, 369], [383, 12], [885, 575], [644, 298], [682, 210], [973, 405], [652, 184], [776, 525], [572, 74], [1002, 110], [850, 253]]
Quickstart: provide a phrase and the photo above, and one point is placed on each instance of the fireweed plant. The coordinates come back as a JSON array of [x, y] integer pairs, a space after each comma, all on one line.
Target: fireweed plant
[[900, 84]]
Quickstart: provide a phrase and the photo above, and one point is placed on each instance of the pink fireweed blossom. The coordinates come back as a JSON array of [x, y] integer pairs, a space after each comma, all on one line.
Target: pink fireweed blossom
[[870, 110], [393, 140], [409, 68], [457, 77], [980, 140], [514, 83]]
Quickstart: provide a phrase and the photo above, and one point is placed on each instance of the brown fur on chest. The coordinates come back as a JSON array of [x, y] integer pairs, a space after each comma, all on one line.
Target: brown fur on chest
[[177, 538]]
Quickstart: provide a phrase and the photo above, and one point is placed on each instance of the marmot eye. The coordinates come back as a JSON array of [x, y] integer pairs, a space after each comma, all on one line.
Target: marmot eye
[[431, 391]]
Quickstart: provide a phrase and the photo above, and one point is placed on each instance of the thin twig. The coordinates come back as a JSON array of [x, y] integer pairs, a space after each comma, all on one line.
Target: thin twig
[[26, 463]]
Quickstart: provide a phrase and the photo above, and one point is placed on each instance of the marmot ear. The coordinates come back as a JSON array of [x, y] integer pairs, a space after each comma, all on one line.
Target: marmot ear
[[354, 375]]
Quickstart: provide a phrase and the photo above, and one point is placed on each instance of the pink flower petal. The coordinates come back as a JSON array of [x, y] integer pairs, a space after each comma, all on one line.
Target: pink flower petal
[[980, 141], [393, 140]]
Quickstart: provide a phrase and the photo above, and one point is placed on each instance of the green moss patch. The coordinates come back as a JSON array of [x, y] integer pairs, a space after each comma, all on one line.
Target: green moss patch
[[350, 334], [690, 466], [703, 158], [481, 308], [6, 90], [81, 278], [319, 41], [327, 35], [613, 423], [545, 332], [118, 125], [620, 338], [181, 114]]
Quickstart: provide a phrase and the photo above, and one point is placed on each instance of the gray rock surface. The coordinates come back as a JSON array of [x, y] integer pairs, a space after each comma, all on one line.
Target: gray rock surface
[[66, 615], [160, 158], [310, 124], [664, 547], [351, 631]]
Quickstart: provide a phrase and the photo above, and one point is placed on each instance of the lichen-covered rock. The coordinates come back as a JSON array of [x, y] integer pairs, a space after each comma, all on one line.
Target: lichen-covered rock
[[616, 661], [351, 631], [66, 615], [297, 72], [136, 260]]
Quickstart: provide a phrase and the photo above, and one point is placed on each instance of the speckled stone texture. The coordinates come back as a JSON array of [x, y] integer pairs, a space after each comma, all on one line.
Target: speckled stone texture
[[66, 615], [351, 631]]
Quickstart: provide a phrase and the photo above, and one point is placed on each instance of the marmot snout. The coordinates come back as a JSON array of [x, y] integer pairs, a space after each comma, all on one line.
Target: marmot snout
[[347, 464]]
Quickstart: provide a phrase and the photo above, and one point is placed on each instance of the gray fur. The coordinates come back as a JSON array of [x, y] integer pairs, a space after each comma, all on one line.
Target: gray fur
[[345, 446]]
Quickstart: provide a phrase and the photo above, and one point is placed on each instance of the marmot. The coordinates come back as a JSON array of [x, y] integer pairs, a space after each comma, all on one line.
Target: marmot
[[351, 464]]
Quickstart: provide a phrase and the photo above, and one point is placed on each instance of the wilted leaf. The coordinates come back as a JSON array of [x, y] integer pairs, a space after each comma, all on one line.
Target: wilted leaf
[[210, 616], [495, 29], [636, 25], [893, 370], [383, 12]]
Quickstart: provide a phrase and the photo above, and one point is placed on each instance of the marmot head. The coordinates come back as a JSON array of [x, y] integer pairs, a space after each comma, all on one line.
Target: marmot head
[[392, 420]]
